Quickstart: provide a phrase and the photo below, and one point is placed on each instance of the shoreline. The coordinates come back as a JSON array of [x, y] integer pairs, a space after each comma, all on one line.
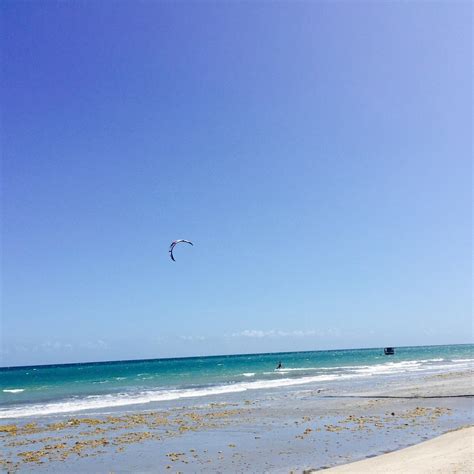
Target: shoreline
[[296, 428], [448, 453]]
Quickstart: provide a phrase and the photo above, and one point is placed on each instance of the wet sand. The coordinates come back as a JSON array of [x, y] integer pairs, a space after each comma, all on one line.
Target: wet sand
[[295, 429]]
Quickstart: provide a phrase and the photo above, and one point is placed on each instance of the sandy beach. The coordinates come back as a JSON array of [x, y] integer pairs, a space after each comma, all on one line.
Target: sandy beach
[[306, 428], [450, 453]]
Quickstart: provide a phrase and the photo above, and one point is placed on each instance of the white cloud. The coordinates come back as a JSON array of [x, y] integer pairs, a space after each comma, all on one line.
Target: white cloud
[[258, 333], [192, 338], [98, 344], [55, 345]]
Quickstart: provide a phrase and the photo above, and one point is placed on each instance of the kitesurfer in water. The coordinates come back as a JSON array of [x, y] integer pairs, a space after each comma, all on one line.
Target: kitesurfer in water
[[279, 366]]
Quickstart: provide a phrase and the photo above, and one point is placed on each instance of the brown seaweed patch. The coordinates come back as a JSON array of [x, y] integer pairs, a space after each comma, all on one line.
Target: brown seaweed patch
[[129, 438], [10, 429]]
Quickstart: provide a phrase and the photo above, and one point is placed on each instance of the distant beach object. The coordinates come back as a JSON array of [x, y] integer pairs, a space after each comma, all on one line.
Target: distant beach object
[[388, 351], [173, 245]]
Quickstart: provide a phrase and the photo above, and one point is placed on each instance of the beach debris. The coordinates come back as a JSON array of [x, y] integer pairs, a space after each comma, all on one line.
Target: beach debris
[[334, 428], [129, 438], [306, 432], [173, 245], [11, 429], [175, 456], [133, 428], [65, 439]]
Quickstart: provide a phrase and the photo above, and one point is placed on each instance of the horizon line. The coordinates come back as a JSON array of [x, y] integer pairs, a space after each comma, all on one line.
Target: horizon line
[[117, 361]]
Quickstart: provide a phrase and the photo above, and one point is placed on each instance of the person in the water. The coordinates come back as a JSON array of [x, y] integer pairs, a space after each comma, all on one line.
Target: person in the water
[[279, 366]]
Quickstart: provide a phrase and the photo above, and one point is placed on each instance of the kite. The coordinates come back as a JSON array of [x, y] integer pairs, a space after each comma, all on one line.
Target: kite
[[173, 245]]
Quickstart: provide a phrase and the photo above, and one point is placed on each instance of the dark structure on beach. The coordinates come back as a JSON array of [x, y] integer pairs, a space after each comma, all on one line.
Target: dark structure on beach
[[389, 351]]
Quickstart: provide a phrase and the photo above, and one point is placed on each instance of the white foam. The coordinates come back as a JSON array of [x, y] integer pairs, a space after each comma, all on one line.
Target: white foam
[[385, 368], [123, 399], [389, 368], [13, 390], [296, 369], [94, 402]]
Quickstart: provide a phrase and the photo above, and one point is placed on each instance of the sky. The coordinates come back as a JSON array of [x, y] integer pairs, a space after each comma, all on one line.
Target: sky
[[318, 154]]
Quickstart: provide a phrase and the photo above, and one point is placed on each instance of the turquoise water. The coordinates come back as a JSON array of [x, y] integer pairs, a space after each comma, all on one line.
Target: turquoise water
[[54, 389]]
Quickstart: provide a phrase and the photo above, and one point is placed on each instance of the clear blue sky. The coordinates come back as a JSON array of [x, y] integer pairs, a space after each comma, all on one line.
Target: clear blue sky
[[317, 153]]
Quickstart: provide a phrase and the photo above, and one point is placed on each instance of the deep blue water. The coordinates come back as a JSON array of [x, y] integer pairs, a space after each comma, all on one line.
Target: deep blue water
[[41, 390]]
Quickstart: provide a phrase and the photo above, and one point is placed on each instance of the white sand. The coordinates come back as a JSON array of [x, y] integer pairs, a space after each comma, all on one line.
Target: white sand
[[450, 453]]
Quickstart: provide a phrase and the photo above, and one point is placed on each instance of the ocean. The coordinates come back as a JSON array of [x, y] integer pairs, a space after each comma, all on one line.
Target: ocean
[[100, 386]]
